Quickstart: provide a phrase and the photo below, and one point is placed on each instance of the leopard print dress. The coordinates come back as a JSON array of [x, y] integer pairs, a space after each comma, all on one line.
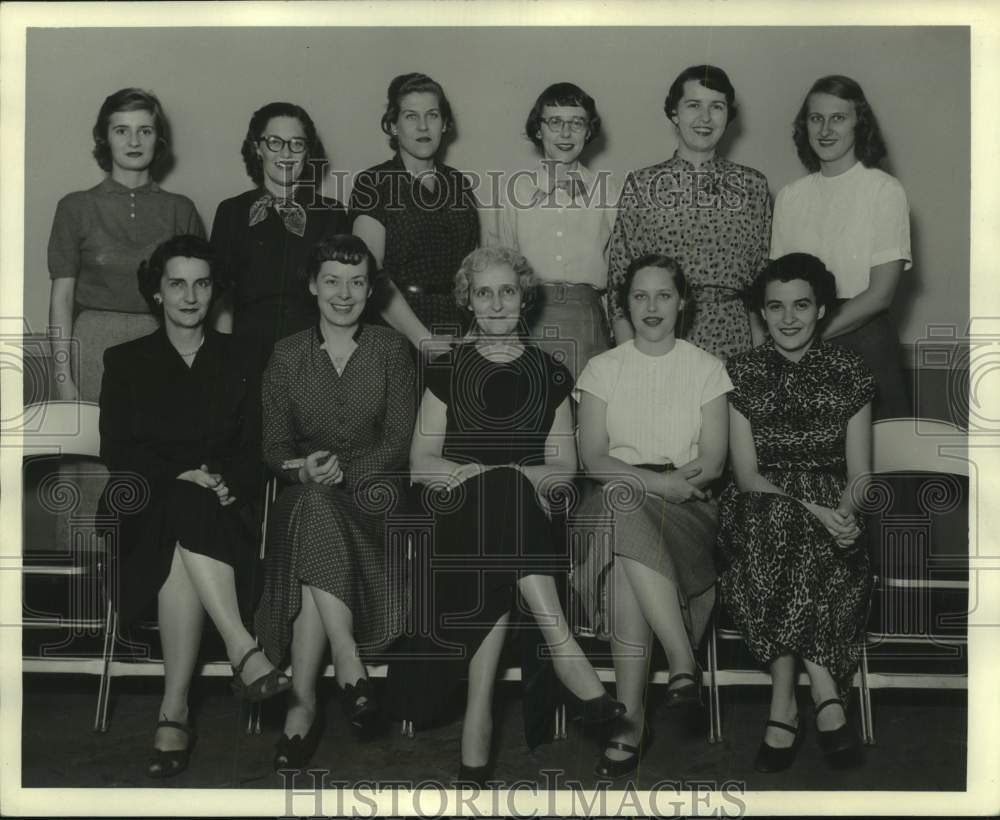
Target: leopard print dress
[[785, 582]]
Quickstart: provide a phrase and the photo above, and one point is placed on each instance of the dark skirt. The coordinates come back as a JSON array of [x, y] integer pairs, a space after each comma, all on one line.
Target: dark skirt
[[323, 537], [675, 540], [878, 344], [148, 531], [785, 582], [487, 534]]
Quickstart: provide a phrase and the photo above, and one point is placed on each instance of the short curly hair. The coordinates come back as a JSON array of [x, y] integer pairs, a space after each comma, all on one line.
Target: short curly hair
[[869, 147], [712, 78], [488, 257], [315, 153], [150, 272], [132, 99], [413, 83], [794, 266], [566, 94], [349, 250]]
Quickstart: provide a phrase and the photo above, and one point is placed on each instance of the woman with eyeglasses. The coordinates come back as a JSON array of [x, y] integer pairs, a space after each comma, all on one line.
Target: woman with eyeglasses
[[855, 217], [560, 217], [711, 215], [263, 236], [416, 214], [100, 236]]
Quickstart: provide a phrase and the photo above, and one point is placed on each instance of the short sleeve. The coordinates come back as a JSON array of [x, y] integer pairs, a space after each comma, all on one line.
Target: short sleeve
[[891, 226], [739, 374], [595, 379], [368, 196], [717, 382], [779, 242], [862, 386], [437, 376], [560, 381], [190, 221], [65, 240]]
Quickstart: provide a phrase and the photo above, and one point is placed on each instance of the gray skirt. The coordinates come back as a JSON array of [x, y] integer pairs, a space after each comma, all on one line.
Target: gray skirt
[[570, 325], [675, 540]]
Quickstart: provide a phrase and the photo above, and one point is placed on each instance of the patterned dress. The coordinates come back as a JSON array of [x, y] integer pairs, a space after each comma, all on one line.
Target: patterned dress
[[786, 583], [427, 233], [332, 537], [716, 222]]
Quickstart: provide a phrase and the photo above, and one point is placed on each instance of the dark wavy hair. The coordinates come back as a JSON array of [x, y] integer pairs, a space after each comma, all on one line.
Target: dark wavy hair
[[869, 147], [710, 77], [413, 83], [132, 99], [794, 266], [315, 153], [348, 250], [654, 260], [562, 94], [150, 272]]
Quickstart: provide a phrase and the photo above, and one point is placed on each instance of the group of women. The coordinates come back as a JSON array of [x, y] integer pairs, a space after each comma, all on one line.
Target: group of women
[[297, 336]]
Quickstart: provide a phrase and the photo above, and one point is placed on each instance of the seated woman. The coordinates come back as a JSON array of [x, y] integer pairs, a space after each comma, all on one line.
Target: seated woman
[[493, 446], [179, 415], [653, 422], [339, 405], [796, 578]]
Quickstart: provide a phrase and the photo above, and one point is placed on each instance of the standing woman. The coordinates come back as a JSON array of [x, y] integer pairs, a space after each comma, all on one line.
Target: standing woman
[[709, 214], [179, 409], [417, 216], [796, 576], [856, 219], [560, 217], [263, 236], [100, 236], [338, 401]]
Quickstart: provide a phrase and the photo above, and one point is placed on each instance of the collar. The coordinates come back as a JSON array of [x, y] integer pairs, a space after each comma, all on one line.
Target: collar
[[709, 165], [111, 186], [397, 165], [815, 349], [318, 332], [300, 194]]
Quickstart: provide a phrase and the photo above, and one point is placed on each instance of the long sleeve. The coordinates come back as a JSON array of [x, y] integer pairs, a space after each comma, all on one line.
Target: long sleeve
[[397, 429], [125, 447], [241, 467], [278, 425]]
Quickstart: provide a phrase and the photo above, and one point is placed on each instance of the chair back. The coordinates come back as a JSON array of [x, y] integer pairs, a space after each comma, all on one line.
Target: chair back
[[68, 428], [919, 445]]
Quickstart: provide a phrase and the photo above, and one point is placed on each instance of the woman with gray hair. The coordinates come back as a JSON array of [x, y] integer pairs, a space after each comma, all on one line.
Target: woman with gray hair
[[493, 450]]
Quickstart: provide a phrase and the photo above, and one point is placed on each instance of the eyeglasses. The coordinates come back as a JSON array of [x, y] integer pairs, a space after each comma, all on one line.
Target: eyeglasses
[[296, 144], [576, 124]]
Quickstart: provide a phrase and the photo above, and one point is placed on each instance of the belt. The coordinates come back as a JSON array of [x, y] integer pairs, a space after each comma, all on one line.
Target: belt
[[571, 292], [425, 290], [657, 468], [718, 293]]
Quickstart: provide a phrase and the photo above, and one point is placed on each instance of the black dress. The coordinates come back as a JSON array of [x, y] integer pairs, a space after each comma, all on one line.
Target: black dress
[[787, 584], [491, 530], [427, 233], [160, 418], [266, 265]]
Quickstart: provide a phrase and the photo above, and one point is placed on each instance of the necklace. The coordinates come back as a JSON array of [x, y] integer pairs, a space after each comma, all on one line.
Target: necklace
[[187, 355]]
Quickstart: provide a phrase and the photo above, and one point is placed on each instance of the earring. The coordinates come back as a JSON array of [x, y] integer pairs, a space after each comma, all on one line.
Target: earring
[[157, 298]]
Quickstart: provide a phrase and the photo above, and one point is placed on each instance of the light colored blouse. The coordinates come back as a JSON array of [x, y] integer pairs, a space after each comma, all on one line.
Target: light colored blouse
[[565, 237], [852, 222], [654, 402]]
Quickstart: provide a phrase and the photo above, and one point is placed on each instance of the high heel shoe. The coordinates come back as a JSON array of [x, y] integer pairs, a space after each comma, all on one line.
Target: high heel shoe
[[687, 695], [296, 751], [840, 746], [608, 768], [774, 758], [595, 711], [170, 763], [473, 775], [361, 708], [267, 685]]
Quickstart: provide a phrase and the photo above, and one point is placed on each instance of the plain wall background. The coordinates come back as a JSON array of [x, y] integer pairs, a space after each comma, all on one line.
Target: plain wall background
[[211, 80]]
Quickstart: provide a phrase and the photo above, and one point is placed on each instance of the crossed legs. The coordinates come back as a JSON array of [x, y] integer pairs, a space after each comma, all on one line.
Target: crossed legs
[[784, 708]]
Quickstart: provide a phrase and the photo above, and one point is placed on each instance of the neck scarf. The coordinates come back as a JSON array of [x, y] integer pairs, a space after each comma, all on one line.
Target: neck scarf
[[292, 214]]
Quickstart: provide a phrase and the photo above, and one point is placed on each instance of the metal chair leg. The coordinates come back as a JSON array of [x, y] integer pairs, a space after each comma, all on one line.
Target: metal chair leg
[[104, 689], [406, 729], [560, 726], [714, 711], [253, 718], [867, 724]]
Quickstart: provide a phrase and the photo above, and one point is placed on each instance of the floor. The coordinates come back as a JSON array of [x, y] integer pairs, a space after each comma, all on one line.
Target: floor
[[920, 744]]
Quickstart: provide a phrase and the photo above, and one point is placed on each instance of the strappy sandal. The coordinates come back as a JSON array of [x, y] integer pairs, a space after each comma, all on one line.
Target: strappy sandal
[[687, 695], [267, 685], [168, 763]]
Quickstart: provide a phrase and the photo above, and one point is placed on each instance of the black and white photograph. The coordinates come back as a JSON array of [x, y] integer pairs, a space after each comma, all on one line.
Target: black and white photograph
[[487, 408]]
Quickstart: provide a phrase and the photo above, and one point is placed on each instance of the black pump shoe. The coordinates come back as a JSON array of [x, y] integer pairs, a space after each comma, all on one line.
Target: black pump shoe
[[840, 746], [687, 695], [169, 763], [296, 751], [607, 768], [594, 711], [361, 708], [776, 759]]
